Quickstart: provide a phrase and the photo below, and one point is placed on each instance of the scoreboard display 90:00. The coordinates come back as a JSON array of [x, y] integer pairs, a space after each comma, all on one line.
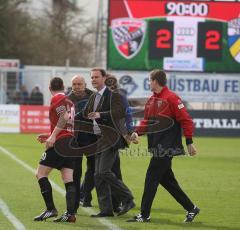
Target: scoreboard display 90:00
[[193, 9]]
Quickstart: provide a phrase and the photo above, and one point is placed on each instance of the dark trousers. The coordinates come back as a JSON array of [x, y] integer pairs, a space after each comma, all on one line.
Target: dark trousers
[[88, 182], [85, 189], [107, 183], [116, 169], [77, 174], [160, 172]]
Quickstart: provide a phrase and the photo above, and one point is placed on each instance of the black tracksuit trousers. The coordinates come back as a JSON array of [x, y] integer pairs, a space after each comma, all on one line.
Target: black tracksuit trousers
[[160, 172]]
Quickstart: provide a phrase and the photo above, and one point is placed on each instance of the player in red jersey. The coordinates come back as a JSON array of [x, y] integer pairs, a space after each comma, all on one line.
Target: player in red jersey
[[61, 115]]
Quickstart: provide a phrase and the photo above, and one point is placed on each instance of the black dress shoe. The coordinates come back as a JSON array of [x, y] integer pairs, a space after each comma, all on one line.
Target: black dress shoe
[[117, 210], [100, 214], [126, 207]]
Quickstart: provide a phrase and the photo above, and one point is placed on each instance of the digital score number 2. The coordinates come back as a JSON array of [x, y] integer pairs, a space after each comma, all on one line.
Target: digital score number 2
[[160, 39], [163, 38], [210, 40]]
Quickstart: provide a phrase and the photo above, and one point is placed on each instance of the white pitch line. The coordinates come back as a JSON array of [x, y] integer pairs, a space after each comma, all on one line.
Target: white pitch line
[[6, 212], [89, 211]]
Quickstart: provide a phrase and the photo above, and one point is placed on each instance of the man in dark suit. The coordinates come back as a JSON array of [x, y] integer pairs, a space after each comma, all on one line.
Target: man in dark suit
[[105, 109]]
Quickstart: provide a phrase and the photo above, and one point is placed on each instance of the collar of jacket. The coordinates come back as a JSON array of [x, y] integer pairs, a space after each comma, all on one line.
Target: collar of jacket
[[164, 89], [87, 93], [106, 92]]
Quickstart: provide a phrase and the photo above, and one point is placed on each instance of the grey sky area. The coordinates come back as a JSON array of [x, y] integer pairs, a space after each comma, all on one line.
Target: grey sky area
[[90, 6]]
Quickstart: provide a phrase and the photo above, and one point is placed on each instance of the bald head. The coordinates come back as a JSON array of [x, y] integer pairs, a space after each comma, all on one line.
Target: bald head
[[78, 77], [78, 84]]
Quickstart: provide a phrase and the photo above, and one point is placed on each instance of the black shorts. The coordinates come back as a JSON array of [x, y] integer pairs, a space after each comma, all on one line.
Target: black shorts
[[52, 159]]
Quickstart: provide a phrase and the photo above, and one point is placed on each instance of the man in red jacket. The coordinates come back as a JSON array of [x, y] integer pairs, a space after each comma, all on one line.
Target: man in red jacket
[[164, 118]]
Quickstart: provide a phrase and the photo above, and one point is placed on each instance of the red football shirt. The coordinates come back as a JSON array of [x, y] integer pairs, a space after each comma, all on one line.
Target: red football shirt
[[60, 104]]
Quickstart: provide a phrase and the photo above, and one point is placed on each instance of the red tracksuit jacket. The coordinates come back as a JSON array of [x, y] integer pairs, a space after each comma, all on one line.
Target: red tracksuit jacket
[[165, 117]]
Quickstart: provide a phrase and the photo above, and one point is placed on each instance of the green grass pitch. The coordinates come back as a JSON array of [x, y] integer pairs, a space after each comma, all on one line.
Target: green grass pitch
[[211, 179]]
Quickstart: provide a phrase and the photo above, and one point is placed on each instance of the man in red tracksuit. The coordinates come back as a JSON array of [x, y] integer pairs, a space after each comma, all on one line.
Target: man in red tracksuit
[[164, 118]]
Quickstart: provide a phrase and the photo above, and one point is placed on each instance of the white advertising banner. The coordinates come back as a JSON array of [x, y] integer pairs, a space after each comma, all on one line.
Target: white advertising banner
[[184, 45], [9, 118], [192, 87], [206, 87]]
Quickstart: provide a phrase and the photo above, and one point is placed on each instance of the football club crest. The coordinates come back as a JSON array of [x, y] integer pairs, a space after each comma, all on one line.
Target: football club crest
[[159, 103], [128, 35], [234, 38]]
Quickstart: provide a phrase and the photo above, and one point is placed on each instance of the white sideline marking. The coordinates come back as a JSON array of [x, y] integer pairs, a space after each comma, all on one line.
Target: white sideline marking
[[6, 212], [89, 211]]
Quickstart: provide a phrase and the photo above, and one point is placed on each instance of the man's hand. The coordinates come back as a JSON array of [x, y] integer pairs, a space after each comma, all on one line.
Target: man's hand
[[127, 139], [191, 150], [42, 137], [131, 138], [50, 141], [93, 115], [134, 138]]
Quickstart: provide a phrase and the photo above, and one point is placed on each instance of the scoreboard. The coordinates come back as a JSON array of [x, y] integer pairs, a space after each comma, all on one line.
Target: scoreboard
[[201, 36]]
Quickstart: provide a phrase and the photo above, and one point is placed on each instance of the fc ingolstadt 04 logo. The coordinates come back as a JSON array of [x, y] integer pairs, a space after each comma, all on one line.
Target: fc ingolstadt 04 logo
[[128, 35]]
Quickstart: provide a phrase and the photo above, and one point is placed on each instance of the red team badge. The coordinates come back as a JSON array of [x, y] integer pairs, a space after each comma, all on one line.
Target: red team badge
[[128, 35]]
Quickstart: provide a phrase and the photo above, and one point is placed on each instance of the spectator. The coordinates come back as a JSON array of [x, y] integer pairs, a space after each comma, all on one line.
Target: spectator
[[23, 96], [36, 97]]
